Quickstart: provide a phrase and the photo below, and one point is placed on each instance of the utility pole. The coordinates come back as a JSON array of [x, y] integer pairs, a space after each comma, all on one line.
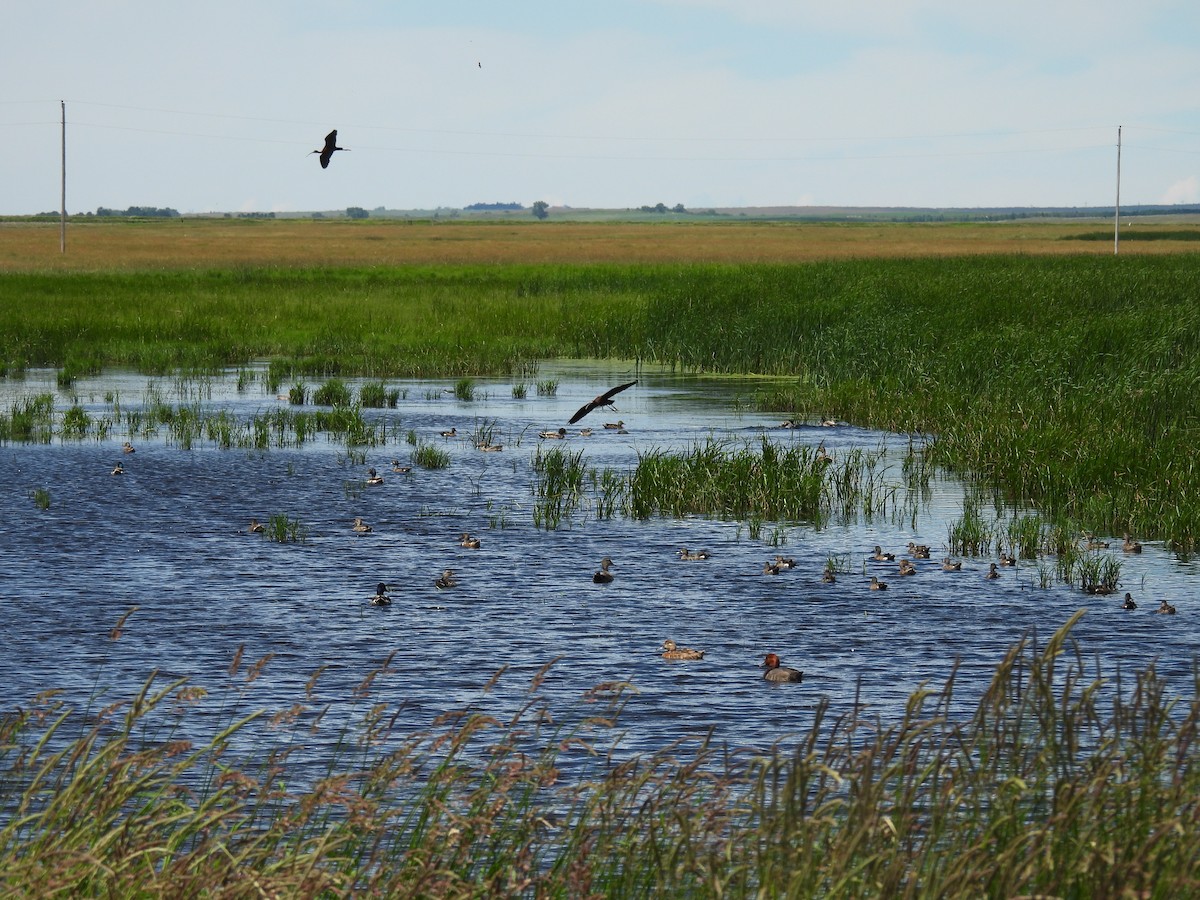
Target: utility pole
[[1117, 208], [62, 217]]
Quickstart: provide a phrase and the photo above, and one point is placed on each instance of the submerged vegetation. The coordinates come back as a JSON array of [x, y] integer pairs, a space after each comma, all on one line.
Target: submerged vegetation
[[1062, 782]]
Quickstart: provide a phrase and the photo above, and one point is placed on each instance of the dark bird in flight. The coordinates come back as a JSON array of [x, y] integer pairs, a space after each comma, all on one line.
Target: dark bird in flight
[[604, 399], [327, 151]]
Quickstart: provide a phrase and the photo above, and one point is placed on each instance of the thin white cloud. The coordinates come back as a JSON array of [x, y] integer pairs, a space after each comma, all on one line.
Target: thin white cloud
[[1186, 190]]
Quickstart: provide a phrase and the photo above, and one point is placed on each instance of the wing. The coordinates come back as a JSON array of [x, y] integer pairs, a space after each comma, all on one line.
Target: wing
[[331, 141], [608, 395], [603, 400]]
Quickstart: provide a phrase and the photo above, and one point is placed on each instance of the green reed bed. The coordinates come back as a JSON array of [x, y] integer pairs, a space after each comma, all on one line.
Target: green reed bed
[[1064, 781], [1068, 382]]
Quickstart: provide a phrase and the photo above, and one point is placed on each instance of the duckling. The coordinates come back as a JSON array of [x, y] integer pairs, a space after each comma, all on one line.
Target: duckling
[[127, 447], [471, 543], [374, 477], [1166, 608], [883, 557], [451, 433], [779, 673], [381, 598], [1006, 560], [255, 527], [992, 571], [553, 435], [920, 551], [686, 554], [672, 651], [948, 566], [828, 577], [402, 470], [1129, 602], [1130, 545], [446, 580], [615, 426], [360, 526], [118, 469], [604, 576], [907, 567], [877, 585]]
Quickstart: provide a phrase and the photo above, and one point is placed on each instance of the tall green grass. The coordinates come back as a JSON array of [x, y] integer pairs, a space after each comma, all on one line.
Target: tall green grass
[[1064, 781], [1067, 382]]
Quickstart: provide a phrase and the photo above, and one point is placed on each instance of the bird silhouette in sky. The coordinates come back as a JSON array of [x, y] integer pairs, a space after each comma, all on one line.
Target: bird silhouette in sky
[[604, 399], [326, 152]]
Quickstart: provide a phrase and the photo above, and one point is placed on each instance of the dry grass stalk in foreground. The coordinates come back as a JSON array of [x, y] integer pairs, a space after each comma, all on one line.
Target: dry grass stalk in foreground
[[1061, 784]]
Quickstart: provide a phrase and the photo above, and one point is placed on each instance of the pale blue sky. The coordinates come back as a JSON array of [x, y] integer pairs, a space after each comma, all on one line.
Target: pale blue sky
[[212, 106]]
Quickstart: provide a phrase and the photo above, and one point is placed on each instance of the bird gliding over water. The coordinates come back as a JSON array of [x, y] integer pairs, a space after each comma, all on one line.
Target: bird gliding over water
[[604, 399]]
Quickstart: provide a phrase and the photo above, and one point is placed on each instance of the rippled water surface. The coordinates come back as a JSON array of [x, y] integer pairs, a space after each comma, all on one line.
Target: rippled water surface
[[169, 537]]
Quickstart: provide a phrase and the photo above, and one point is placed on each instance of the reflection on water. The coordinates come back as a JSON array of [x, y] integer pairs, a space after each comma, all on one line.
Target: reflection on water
[[169, 536]]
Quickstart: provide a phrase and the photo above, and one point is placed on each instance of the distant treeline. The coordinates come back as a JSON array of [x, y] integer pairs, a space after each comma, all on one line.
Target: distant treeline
[[493, 206], [164, 212]]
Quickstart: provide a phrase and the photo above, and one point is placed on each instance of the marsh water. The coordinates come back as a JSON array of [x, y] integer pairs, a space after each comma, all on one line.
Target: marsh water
[[169, 537]]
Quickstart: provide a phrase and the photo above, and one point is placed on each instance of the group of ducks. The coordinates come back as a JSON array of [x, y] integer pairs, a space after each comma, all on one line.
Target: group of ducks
[[775, 670], [444, 581]]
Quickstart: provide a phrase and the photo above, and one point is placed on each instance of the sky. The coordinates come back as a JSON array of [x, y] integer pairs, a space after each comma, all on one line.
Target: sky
[[215, 106]]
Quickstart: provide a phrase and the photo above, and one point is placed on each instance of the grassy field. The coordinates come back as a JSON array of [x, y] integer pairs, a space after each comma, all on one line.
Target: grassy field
[[94, 245]]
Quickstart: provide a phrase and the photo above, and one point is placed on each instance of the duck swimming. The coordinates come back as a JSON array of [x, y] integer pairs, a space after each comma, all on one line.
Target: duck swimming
[[779, 673], [255, 527], [553, 435], [451, 433], [1130, 545], [877, 585], [770, 568], [828, 577], [907, 567], [920, 551], [604, 576], [445, 580], [948, 566], [1006, 560], [1129, 602], [686, 554], [360, 526], [403, 470], [374, 477], [880, 556], [992, 571], [615, 426], [1166, 608], [782, 563], [381, 598], [671, 650], [118, 469], [471, 543], [127, 447]]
